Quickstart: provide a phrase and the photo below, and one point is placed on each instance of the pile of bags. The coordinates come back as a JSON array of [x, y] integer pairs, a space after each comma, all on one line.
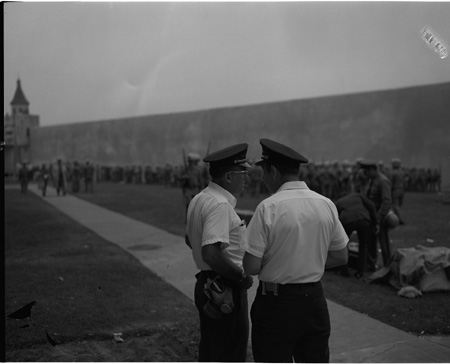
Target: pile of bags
[[416, 270]]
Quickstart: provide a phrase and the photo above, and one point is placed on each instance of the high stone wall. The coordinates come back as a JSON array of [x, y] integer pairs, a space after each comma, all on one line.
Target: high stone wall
[[412, 124]]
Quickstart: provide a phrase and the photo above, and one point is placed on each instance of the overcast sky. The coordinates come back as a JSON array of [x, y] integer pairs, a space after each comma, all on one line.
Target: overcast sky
[[87, 61]]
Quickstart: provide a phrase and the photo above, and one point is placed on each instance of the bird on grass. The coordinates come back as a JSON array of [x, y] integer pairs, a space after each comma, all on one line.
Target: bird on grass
[[50, 339], [23, 313]]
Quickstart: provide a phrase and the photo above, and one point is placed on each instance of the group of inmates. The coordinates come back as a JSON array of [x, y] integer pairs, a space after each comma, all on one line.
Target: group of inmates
[[59, 174], [331, 179]]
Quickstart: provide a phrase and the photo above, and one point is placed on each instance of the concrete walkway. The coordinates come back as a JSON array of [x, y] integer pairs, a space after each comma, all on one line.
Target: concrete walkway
[[354, 337]]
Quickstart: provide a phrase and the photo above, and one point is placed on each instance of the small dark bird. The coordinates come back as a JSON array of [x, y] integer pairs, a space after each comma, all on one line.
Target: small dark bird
[[50, 339], [23, 313]]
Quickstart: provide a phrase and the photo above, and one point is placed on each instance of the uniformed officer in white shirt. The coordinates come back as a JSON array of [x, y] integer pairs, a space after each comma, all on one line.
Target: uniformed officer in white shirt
[[292, 237], [214, 232]]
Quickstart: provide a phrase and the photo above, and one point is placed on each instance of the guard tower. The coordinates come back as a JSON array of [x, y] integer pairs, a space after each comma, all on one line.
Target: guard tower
[[17, 130]]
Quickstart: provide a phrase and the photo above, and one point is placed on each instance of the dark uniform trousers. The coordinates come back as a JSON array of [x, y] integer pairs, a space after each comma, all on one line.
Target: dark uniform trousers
[[224, 339], [291, 326], [385, 246], [385, 243], [366, 237]]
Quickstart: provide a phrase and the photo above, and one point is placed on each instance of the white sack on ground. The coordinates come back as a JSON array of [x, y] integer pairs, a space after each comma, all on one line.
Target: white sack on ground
[[427, 269]]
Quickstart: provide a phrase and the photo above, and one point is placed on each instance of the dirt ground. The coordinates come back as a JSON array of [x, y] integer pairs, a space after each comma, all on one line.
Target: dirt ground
[[168, 344], [178, 343]]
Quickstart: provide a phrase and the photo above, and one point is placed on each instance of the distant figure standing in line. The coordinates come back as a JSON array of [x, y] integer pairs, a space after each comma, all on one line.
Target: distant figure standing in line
[[45, 176], [397, 178], [192, 179], [23, 178], [61, 178], [88, 177], [76, 177]]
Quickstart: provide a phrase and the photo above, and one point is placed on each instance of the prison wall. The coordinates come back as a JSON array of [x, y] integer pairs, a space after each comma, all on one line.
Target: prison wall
[[412, 124]]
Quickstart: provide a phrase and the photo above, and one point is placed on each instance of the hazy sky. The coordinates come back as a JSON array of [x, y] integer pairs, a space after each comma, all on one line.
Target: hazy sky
[[86, 61]]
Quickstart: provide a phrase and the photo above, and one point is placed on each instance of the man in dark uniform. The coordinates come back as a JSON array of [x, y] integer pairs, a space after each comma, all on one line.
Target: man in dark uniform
[[61, 178], [88, 177], [292, 237], [45, 176], [254, 176], [192, 179], [214, 232], [23, 177], [76, 177], [357, 213], [359, 178], [397, 178], [378, 190]]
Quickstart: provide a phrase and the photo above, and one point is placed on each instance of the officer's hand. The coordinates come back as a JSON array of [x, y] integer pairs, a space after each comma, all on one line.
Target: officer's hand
[[246, 283]]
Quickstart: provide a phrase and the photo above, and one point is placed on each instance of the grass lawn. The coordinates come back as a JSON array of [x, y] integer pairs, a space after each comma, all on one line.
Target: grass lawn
[[85, 287], [427, 223]]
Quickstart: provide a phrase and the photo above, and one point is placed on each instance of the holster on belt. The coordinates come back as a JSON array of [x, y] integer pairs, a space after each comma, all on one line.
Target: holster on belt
[[220, 296]]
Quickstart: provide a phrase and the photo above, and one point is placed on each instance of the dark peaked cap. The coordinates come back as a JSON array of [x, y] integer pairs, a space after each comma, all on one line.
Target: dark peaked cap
[[280, 154], [234, 155], [366, 163]]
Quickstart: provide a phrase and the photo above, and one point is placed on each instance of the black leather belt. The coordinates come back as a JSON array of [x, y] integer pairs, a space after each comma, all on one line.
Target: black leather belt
[[277, 288], [211, 274], [207, 273]]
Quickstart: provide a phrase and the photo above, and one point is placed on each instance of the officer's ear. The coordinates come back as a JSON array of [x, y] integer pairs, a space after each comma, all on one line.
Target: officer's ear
[[274, 171], [227, 177]]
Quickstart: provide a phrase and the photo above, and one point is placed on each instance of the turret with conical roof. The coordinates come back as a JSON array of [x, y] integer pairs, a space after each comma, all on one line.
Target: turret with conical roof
[[17, 131], [19, 103]]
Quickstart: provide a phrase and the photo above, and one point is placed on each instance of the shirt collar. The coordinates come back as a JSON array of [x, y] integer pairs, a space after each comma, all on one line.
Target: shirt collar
[[222, 191], [293, 185]]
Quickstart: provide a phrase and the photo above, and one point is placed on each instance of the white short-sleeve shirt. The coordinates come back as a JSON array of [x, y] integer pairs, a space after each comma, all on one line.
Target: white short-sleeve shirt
[[292, 231], [211, 218]]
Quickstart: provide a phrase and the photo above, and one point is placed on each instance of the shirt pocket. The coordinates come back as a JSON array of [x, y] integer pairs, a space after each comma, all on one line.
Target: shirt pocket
[[237, 230]]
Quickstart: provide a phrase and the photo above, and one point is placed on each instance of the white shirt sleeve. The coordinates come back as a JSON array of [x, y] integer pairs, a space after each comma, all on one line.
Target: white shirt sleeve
[[339, 238], [255, 237], [216, 226]]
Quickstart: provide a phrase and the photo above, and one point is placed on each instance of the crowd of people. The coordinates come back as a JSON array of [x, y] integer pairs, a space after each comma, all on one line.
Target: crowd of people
[[60, 175], [330, 179]]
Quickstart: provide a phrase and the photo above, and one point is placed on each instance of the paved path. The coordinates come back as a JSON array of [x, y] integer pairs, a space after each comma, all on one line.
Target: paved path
[[354, 336]]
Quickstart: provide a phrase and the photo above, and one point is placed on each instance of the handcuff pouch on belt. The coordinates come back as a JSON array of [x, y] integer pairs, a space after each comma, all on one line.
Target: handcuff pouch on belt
[[220, 298], [269, 287]]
